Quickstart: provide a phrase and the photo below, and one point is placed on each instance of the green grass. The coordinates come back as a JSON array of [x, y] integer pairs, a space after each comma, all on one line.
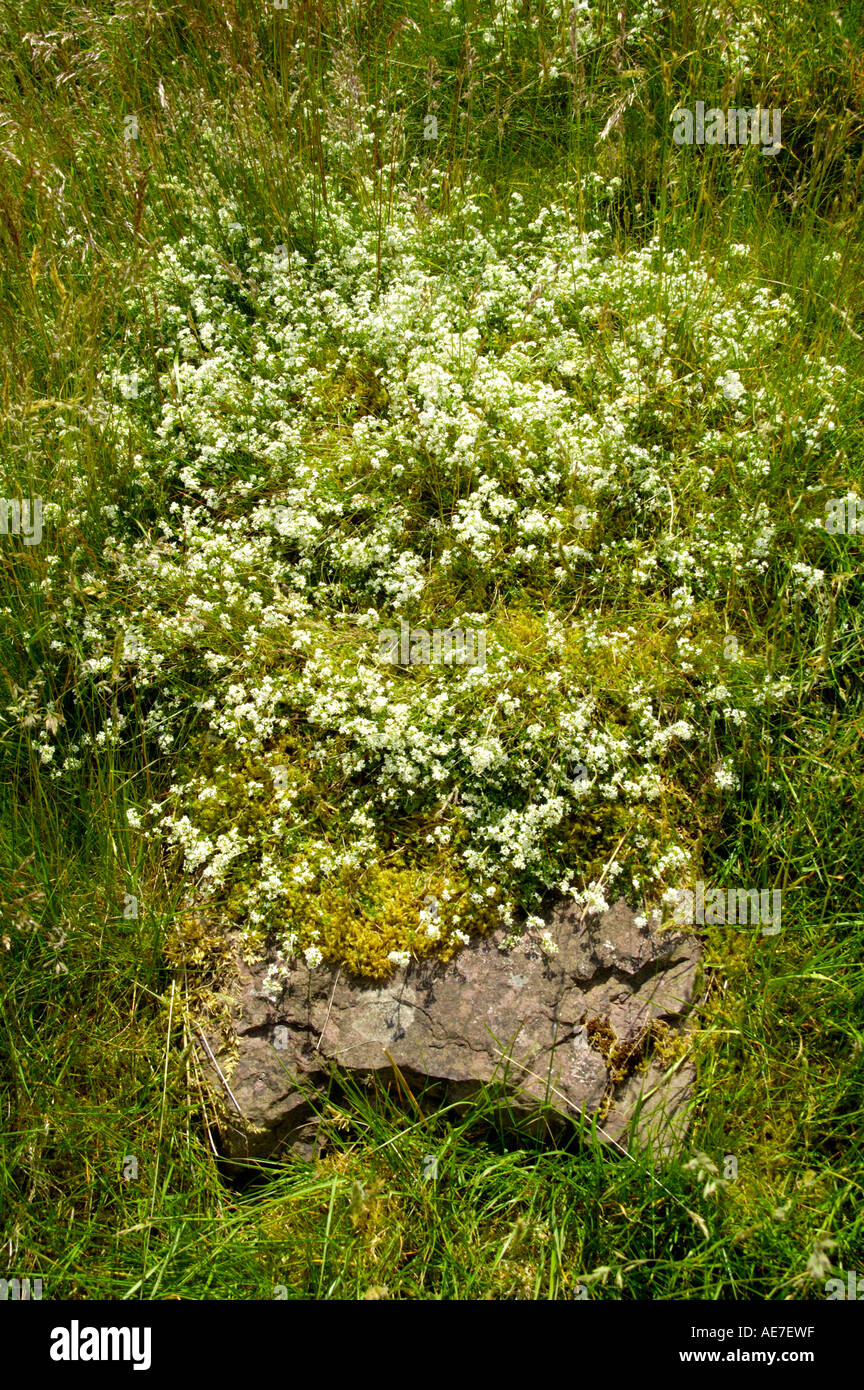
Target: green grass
[[96, 1057]]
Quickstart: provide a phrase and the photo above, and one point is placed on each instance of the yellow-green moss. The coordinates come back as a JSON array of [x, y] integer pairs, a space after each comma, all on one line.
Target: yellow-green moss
[[358, 920]]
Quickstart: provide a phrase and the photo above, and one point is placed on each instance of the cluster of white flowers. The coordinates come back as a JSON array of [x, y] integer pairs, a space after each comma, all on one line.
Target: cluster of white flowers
[[331, 441], [742, 37], [731, 386]]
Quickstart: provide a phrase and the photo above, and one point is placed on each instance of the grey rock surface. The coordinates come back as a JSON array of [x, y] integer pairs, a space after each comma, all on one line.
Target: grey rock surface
[[570, 1032]]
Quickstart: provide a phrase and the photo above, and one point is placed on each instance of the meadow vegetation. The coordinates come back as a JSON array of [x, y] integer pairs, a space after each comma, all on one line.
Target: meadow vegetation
[[321, 318]]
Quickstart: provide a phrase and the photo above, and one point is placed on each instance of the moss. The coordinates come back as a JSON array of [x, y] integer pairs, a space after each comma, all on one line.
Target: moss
[[359, 919], [657, 1041], [353, 390]]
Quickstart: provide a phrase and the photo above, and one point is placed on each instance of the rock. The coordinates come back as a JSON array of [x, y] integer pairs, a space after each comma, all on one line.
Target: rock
[[576, 1031]]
